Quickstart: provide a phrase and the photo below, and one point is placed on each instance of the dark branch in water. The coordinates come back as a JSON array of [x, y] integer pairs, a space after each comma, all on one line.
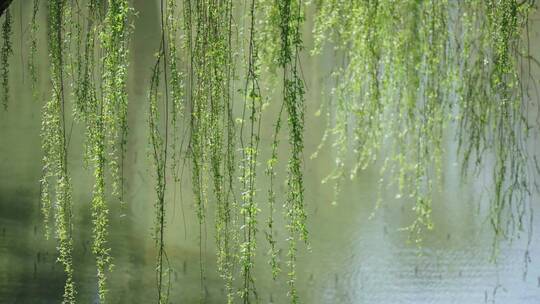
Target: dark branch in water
[[4, 4]]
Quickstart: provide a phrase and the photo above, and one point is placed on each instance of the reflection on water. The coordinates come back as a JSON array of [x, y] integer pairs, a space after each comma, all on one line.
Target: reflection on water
[[366, 261], [353, 259]]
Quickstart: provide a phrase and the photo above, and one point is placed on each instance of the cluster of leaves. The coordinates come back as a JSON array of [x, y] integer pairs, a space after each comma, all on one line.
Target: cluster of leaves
[[401, 84]]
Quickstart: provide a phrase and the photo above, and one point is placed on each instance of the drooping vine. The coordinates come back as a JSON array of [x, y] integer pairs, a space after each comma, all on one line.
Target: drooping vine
[[54, 144], [226, 223], [269, 40], [270, 222], [87, 94], [196, 41], [209, 81], [492, 117], [7, 51], [176, 83], [166, 98], [84, 61], [159, 154], [288, 17], [115, 38], [106, 117], [100, 104], [32, 65], [221, 133], [249, 141], [402, 83]]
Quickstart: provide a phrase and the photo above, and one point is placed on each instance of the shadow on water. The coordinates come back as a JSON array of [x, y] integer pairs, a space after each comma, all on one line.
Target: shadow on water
[[28, 269]]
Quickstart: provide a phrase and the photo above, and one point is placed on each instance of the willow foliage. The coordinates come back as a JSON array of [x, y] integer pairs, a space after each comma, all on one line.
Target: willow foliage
[[160, 135], [101, 105], [115, 43], [209, 81], [55, 160], [288, 19], [106, 121], [249, 141], [492, 108], [413, 68], [410, 70]]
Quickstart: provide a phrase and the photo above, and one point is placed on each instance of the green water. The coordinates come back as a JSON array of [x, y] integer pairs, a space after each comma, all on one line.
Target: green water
[[354, 258]]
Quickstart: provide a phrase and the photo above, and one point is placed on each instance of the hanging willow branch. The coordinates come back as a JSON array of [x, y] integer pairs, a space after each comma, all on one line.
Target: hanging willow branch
[[286, 19], [115, 40], [164, 135], [249, 141], [32, 65], [195, 17], [159, 152], [208, 42], [55, 167], [106, 117], [407, 66], [492, 109], [89, 107], [6, 52], [220, 133]]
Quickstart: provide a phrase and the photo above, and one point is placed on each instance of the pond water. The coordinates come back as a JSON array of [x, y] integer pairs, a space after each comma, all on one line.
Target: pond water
[[357, 254]]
